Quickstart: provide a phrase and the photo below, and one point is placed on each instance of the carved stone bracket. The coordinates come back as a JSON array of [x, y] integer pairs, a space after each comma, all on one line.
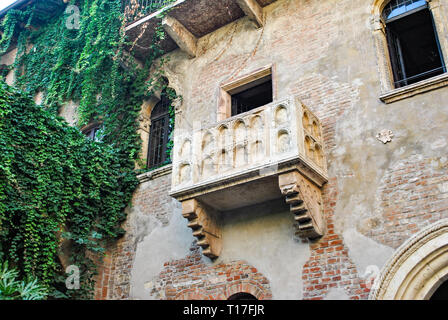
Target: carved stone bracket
[[305, 200], [144, 123], [204, 223]]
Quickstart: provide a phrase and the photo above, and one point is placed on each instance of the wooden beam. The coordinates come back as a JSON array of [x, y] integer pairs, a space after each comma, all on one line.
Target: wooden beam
[[183, 38], [253, 10]]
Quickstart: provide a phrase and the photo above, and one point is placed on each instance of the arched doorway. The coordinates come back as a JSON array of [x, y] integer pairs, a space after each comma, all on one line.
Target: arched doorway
[[419, 268], [242, 296]]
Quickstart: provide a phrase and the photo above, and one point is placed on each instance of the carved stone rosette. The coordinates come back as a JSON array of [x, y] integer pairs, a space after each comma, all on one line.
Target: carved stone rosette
[[203, 221], [305, 200]]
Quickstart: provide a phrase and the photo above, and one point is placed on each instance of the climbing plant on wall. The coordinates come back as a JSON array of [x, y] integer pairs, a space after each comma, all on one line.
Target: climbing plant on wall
[[55, 184]]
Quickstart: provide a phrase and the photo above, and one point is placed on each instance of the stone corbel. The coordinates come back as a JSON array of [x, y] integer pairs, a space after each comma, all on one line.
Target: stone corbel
[[305, 200], [203, 221]]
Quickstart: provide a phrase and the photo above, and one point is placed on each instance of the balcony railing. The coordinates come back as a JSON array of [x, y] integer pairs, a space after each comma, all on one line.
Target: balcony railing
[[137, 9], [255, 142]]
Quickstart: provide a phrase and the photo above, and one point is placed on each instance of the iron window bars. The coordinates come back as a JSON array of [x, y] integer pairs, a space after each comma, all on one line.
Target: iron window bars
[[136, 9], [159, 133]]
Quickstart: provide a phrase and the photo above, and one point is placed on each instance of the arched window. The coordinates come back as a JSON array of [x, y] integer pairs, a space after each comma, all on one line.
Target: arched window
[[242, 296], [414, 47], [93, 131], [159, 132]]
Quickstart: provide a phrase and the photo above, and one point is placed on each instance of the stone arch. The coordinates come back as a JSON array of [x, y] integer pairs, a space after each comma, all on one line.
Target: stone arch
[[208, 143], [242, 296], [239, 131], [184, 173], [185, 150], [418, 267], [257, 128], [316, 129], [157, 96], [208, 166], [223, 136], [318, 155]]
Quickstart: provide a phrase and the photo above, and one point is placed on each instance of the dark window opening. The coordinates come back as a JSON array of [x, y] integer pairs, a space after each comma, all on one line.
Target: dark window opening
[[441, 293], [252, 95], [413, 43], [159, 133], [92, 132], [242, 296]]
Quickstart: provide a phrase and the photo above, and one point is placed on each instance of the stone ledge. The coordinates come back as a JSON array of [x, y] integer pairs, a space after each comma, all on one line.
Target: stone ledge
[[414, 89], [151, 175]]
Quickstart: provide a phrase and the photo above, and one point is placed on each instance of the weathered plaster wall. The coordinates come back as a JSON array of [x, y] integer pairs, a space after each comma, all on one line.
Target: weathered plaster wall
[[324, 52]]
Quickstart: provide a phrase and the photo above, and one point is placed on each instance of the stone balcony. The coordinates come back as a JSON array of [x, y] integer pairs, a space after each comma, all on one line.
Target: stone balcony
[[267, 153], [186, 21]]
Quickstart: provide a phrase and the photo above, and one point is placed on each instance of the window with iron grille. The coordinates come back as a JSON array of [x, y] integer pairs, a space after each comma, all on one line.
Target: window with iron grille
[[414, 47], [160, 132]]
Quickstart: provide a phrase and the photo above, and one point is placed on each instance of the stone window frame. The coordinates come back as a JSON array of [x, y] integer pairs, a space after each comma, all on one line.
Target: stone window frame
[[389, 93], [92, 125], [225, 103]]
